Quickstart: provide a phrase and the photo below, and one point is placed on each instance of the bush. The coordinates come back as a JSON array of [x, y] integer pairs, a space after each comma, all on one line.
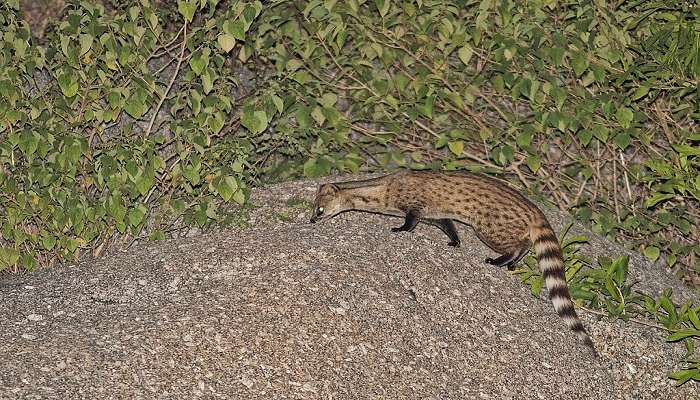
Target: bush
[[119, 125]]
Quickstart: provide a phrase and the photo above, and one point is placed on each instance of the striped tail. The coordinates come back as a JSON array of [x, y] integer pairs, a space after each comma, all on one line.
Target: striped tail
[[551, 261]]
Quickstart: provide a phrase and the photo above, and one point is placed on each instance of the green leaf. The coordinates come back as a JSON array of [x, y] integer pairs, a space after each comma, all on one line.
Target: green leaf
[[686, 150], [136, 215], [457, 148], [640, 92], [485, 133], [682, 334], [317, 115], [236, 29], [239, 196], [693, 317], [139, 31], [580, 63], [303, 117], [153, 21], [216, 122], [584, 136], [427, 108], [685, 375], [533, 162], [668, 306], [657, 198], [29, 143], [208, 79], [187, 9], [524, 139], [85, 43], [301, 77], [612, 289], [114, 99], [601, 132], [134, 12], [144, 183], [652, 253], [671, 260], [465, 54], [111, 60], [536, 287], [559, 95], [8, 257], [588, 79], [135, 107], [199, 60], [68, 84], [383, 6], [622, 140], [227, 187], [254, 121], [311, 168], [557, 55], [191, 174], [48, 241], [294, 64], [278, 102], [534, 89], [20, 46], [624, 116], [328, 100], [226, 42]]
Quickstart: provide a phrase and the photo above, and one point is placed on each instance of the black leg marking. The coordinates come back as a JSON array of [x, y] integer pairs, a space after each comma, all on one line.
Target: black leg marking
[[412, 218], [501, 261], [448, 226], [509, 259]]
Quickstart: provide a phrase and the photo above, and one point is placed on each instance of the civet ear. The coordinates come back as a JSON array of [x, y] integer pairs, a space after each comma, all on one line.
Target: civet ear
[[328, 188]]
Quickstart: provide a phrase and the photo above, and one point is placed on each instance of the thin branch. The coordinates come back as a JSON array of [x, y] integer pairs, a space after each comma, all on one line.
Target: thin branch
[[635, 320], [627, 180], [615, 200], [172, 81]]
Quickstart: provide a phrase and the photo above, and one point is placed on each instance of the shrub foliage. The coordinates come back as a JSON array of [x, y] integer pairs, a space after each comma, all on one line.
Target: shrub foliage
[[127, 120]]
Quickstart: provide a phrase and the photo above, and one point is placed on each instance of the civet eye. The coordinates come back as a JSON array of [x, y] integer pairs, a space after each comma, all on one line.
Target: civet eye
[[319, 211]]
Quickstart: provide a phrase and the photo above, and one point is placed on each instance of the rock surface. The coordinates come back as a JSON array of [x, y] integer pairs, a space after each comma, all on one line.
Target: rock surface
[[339, 310]]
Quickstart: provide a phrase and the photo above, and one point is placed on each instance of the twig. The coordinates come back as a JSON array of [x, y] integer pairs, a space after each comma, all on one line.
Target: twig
[[494, 105], [635, 320], [342, 70], [627, 180], [368, 132], [515, 167], [165, 46], [558, 191], [579, 193], [597, 173], [615, 200], [172, 81]]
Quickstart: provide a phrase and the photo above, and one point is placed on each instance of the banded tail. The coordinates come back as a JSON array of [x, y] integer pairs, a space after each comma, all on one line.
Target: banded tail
[[551, 261]]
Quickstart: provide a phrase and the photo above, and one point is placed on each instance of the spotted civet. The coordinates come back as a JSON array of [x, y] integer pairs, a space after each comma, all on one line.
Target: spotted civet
[[501, 217]]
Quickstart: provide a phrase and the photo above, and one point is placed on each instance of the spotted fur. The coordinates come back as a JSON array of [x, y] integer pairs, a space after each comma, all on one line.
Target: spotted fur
[[501, 217]]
